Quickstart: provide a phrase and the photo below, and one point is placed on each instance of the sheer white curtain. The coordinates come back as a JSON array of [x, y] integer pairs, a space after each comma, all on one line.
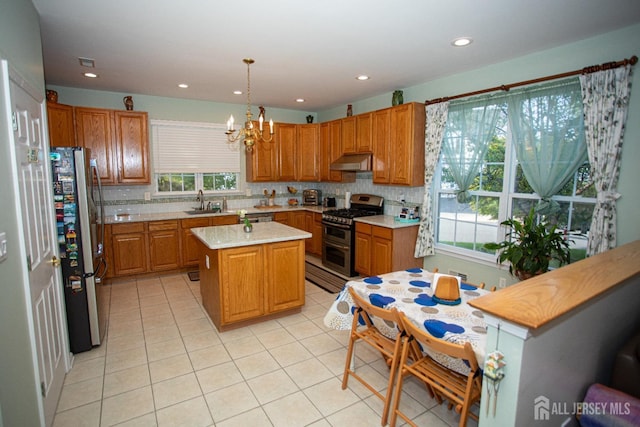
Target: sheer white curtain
[[548, 135], [606, 99], [470, 126], [436, 118]]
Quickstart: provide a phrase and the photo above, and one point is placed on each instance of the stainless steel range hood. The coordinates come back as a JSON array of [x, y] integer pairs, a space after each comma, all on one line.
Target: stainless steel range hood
[[352, 162]]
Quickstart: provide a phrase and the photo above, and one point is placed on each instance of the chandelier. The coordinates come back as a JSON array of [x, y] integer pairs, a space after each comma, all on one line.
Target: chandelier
[[248, 134]]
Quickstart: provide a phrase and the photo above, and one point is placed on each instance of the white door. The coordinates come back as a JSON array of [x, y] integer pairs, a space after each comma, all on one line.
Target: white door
[[34, 178]]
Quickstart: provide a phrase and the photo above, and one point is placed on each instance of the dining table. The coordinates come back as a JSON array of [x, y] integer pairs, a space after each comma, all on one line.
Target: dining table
[[410, 292]]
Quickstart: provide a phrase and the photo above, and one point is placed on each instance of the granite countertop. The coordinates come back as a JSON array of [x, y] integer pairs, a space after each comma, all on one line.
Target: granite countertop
[[388, 221], [130, 217], [232, 236]]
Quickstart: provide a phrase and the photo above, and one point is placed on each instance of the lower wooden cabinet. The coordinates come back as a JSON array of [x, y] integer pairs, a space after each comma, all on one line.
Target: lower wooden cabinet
[[164, 245], [247, 283], [382, 250], [311, 222], [144, 247]]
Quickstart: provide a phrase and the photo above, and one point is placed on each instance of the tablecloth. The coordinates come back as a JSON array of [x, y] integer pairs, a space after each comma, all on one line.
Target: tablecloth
[[410, 292]]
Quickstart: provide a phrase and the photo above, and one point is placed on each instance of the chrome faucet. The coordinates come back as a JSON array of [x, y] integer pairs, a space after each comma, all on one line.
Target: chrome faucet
[[200, 198]]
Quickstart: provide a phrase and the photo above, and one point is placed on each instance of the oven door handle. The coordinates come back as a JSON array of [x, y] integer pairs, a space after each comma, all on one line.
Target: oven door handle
[[333, 245], [333, 224]]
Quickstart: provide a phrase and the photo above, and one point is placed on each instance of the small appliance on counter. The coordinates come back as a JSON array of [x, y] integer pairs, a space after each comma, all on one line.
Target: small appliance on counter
[[311, 197], [329, 202]]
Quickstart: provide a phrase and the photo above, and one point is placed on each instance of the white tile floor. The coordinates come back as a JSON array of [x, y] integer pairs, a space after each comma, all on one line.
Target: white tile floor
[[165, 364]]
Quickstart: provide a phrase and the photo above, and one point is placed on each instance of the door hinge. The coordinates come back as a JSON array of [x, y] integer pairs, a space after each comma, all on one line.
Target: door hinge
[[43, 389]]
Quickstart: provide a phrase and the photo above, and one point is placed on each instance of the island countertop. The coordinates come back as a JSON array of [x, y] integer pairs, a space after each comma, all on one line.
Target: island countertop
[[232, 236]]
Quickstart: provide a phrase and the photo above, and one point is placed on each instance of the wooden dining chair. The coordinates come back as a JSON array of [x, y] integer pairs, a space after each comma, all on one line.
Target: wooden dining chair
[[462, 391], [371, 335]]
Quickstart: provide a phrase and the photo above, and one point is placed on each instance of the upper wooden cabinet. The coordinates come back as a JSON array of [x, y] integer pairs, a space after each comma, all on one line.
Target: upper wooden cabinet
[[308, 152], [60, 124], [363, 132], [330, 150], [348, 135], [132, 147], [261, 161], [398, 143], [119, 141], [286, 153]]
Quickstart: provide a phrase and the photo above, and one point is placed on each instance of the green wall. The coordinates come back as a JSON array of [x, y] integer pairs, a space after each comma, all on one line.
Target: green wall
[[20, 46]]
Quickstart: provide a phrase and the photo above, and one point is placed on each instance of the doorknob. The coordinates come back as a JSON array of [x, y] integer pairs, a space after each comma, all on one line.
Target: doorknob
[[55, 261]]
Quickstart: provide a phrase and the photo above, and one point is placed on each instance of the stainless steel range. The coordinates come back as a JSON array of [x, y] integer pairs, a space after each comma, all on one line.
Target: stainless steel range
[[338, 232]]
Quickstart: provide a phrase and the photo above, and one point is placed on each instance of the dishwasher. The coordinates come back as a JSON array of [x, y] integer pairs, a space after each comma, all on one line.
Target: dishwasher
[[257, 217]]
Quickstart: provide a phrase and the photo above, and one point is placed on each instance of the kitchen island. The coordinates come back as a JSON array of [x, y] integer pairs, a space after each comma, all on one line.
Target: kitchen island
[[251, 277]]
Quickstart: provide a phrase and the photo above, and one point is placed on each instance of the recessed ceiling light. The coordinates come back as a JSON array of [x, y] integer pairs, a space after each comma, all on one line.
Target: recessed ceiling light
[[90, 75], [300, 100], [183, 85], [237, 92], [462, 41], [362, 77]]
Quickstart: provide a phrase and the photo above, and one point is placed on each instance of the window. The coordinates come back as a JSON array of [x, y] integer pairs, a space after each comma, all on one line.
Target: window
[[499, 190], [189, 156]]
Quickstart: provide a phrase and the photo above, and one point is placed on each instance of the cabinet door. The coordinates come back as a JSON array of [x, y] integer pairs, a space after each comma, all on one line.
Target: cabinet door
[[281, 217], [348, 135], [308, 152], [381, 146], [190, 248], [60, 124], [297, 220], [129, 254], [132, 147], [285, 261], [407, 144], [286, 137], [316, 234], [261, 161], [381, 255], [93, 131], [242, 282], [363, 253], [164, 250], [363, 133]]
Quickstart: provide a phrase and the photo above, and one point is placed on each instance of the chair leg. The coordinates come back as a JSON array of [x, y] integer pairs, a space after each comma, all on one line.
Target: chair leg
[[348, 362]]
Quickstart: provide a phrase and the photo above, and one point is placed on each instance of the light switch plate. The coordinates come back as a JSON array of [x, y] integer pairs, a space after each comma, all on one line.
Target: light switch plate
[[3, 246]]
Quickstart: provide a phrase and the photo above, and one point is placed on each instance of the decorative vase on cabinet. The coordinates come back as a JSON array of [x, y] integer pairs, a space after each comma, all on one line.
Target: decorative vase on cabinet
[[397, 98]]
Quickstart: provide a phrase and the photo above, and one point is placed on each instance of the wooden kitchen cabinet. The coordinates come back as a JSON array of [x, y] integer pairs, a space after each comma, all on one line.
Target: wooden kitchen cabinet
[[281, 217], [129, 248], [62, 132], [164, 245], [363, 132], [399, 156], [248, 283], [190, 249], [297, 219], [132, 147], [308, 152], [261, 161], [316, 234], [286, 151], [382, 250], [119, 142], [331, 150], [348, 135]]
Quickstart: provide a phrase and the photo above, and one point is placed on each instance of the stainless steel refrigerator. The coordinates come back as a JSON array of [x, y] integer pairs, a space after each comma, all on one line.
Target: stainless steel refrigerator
[[79, 211]]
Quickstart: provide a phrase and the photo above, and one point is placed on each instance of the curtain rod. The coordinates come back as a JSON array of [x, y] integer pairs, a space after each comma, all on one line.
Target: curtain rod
[[586, 70]]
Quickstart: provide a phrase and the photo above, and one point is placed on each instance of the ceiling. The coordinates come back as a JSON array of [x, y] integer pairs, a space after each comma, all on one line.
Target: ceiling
[[303, 49]]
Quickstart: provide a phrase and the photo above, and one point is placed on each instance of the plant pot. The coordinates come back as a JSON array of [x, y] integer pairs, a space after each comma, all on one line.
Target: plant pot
[[524, 275]]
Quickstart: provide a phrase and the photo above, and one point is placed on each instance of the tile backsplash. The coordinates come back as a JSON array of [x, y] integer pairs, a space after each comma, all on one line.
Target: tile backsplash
[[131, 199]]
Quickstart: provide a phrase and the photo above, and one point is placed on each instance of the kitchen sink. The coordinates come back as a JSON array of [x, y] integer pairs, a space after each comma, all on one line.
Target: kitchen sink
[[201, 211]]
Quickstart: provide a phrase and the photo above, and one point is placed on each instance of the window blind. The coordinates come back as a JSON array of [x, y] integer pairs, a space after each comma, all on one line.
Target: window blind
[[192, 147]]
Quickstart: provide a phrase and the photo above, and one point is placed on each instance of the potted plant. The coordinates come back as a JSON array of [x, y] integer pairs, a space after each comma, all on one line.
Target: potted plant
[[531, 247]]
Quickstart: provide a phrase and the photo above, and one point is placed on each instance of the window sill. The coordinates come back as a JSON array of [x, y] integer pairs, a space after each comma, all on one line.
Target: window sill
[[471, 256]]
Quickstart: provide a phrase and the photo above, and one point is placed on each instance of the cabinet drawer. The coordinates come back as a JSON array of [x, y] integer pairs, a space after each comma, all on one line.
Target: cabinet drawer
[[224, 220], [185, 224], [163, 225], [134, 227], [384, 232], [363, 228]]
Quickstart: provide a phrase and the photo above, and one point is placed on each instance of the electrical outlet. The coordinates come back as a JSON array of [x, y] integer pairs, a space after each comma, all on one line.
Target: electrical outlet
[[147, 196], [247, 192], [401, 197], [502, 282]]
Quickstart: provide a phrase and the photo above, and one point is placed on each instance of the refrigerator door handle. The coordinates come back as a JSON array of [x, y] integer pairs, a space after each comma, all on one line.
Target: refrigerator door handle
[[94, 167]]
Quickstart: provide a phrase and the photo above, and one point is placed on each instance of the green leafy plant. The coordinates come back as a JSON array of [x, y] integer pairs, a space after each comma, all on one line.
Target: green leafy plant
[[531, 246]]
